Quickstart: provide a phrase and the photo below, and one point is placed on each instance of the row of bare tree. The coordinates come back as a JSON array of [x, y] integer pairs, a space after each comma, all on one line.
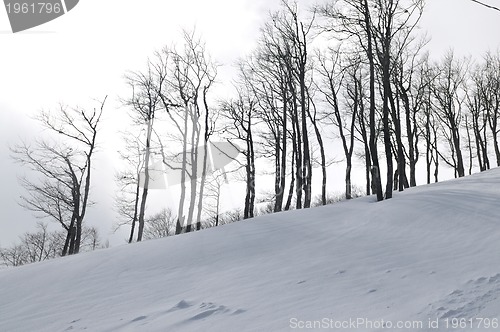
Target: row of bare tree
[[45, 244], [349, 75], [354, 68]]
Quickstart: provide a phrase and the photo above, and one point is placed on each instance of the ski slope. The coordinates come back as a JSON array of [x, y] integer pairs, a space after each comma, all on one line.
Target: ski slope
[[432, 252]]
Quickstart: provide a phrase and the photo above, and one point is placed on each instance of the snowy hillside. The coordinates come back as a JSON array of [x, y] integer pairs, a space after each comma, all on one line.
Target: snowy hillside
[[431, 252]]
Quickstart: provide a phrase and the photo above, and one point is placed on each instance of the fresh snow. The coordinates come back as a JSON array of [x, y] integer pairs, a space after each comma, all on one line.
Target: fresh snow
[[432, 252]]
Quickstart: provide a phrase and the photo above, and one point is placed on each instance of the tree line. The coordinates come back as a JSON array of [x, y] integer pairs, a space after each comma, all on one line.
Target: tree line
[[357, 69], [352, 75]]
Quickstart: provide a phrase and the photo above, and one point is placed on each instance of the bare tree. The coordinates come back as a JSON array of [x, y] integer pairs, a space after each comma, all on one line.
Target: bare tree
[[486, 5], [191, 74], [487, 82], [268, 80], [159, 225], [224, 218], [213, 195], [476, 120], [240, 115], [278, 75], [63, 165], [144, 103], [128, 197], [382, 29], [352, 20], [333, 74], [448, 99], [13, 256], [43, 245], [296, 36], [427, 121]]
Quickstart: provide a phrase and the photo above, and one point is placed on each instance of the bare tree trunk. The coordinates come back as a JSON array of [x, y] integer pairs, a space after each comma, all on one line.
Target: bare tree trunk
[[194, 186], [284, 150], [495, 142], [377, 184], [292, 180], [401, 160], [484, 146], [278, 190], [144, 197], [458, 150], [78, 236], [180, 215], [321, 149], [387, 138], [250, 171], [205, 161], [364, 138], [307, 166], [72, 237], [69, 235], [136, 208], [202, 187], [436, 158], [298, 158], [469, 144], [410, 134]]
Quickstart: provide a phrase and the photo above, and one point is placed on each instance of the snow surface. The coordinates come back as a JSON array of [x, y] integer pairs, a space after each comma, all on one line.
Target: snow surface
[[430, 252]]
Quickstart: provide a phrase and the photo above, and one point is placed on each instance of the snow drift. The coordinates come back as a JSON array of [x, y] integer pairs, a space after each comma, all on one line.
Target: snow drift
[[430, 255]]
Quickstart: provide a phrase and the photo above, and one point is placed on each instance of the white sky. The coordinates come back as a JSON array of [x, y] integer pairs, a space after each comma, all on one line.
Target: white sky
[[85, 53]]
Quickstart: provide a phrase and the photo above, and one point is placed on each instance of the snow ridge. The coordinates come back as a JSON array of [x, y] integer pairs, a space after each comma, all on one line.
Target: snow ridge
[[429, 253]]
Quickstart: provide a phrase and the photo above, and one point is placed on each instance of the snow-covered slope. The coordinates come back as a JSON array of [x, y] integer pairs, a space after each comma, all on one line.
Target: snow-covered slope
[[430, 252]]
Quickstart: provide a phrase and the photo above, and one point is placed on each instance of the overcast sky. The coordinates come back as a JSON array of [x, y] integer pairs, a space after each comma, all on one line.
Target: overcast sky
[[85, 53]]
